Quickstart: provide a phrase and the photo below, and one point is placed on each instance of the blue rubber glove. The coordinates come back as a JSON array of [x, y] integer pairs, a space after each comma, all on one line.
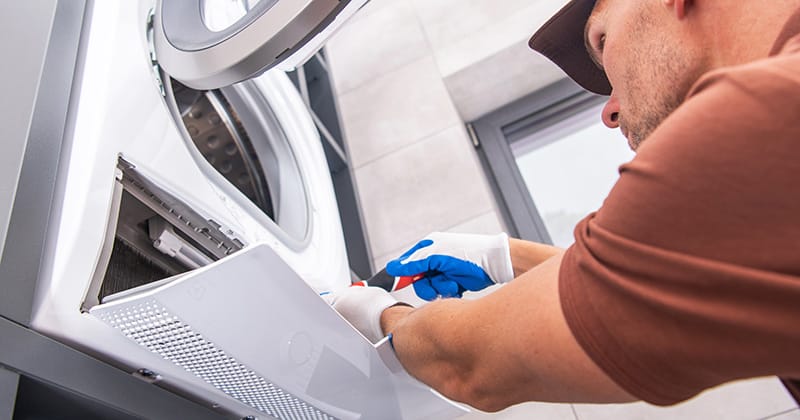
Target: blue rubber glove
[[454, 264]]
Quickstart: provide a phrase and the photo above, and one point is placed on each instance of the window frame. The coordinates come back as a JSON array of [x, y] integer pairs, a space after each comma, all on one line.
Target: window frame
[[494, 134]]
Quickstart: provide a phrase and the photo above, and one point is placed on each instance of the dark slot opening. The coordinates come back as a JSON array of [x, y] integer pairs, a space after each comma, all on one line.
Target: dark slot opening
[[156, 236], [134, 260]]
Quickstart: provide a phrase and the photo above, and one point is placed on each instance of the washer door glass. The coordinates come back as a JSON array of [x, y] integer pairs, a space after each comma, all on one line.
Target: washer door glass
[[238, 133], [210, 44]]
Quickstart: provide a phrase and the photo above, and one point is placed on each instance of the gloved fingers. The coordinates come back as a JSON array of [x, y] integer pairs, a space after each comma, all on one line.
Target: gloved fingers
[[411, 268], [438, 263], [445, 286], [474, 282], [468, 275], [425, 290], [420, 245], [448, 264]]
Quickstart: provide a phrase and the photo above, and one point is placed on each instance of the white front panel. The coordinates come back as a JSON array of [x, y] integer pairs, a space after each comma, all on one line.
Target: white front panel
[[250, 329]]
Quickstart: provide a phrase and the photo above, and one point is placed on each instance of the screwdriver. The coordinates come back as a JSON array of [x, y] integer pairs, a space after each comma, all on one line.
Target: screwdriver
[[388, 282]]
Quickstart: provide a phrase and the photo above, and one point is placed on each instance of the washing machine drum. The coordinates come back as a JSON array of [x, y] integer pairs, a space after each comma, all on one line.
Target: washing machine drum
[[209, 44]]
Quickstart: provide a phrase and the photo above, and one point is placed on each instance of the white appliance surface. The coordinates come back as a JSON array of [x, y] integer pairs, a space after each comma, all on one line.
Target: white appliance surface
[[253, 298], [318, 366]]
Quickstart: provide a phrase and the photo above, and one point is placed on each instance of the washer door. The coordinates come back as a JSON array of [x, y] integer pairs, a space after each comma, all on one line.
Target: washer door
[[210, 44]]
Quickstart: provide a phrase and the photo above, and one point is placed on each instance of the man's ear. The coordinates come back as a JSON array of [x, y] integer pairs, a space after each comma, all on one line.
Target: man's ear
[[680, 6]]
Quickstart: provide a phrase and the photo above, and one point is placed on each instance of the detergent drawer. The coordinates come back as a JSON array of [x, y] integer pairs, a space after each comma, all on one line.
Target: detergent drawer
[[255, 338]]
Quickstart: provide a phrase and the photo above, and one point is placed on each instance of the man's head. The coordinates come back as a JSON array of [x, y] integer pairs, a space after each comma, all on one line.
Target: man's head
[[646, 54], [635, 51]]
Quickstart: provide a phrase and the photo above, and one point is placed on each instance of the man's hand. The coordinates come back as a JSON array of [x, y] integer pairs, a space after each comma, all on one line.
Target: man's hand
[[362, 307], [454, 263]]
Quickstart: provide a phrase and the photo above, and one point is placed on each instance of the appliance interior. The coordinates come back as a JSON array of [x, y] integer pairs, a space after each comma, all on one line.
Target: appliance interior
[[218, 133], [156, 236]]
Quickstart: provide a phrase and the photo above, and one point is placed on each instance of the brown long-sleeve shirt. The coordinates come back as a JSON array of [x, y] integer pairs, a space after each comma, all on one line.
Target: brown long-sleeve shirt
[[689, 275]]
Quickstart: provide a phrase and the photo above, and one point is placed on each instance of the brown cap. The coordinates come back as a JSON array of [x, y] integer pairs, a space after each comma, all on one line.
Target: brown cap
[[561, 40]]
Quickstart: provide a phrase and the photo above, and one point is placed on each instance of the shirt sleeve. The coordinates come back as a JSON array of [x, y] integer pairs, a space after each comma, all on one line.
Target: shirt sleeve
[[689, 275]]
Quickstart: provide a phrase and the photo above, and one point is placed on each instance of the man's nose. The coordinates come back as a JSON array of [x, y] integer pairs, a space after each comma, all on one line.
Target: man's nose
[[611, 112]]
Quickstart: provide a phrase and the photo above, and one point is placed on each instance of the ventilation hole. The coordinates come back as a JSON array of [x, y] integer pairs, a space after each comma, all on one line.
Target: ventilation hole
[[153, 327], [213, 142], [231, 149]]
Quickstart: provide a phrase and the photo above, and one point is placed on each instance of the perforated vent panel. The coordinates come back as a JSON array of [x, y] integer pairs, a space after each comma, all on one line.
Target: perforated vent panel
[[153, 327]]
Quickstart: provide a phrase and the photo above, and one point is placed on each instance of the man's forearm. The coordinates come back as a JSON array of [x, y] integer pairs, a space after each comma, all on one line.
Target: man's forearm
[[508, 347], [526, 254], [432, 351]]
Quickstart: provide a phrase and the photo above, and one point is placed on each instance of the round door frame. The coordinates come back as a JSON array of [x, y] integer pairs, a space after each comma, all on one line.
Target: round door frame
[[257, 42]]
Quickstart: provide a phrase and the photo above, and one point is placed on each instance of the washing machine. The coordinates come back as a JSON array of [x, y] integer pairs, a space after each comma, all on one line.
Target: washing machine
[[196, 223]]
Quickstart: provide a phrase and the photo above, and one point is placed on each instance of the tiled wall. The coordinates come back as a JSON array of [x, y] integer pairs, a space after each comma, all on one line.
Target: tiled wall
[[414, 165], [407, 75]]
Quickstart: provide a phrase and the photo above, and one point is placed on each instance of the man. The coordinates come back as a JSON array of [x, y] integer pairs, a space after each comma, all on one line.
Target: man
[[688, 276]]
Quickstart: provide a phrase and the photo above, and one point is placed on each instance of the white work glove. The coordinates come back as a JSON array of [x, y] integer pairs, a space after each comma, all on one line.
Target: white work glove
[[362, 307], [454, 263]]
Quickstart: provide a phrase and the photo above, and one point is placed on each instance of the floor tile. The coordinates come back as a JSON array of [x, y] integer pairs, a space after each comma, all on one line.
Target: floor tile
[[448, 21], [487, 41], [499, 80], [746, 400], [431, 184], [374, 44], [395, 110], [486, 224]]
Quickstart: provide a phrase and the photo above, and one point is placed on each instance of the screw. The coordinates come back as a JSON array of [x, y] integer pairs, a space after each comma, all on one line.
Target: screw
[[148, 375]]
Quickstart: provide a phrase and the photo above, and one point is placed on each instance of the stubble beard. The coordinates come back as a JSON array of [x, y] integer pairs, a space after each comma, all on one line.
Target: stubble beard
[[653, 115], [657, 85]]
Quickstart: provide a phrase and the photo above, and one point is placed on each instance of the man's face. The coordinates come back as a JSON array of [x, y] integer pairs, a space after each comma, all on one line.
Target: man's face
[[649, 65]]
